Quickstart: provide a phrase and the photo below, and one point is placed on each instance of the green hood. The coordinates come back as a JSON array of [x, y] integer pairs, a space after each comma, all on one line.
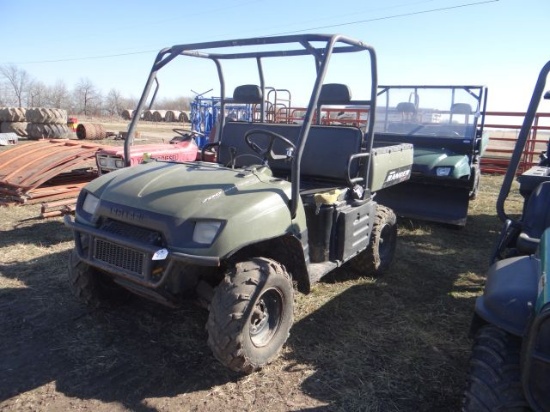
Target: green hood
[[184, 190], [171, 197], [427, 160]]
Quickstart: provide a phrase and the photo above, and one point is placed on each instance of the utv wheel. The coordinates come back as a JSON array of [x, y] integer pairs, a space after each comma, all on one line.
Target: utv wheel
[[92, 286], [251, 315], [494, 380], [377, 258], [475, 186]]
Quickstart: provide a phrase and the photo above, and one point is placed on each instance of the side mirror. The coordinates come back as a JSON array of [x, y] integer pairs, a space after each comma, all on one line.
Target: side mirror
[[547, 95]]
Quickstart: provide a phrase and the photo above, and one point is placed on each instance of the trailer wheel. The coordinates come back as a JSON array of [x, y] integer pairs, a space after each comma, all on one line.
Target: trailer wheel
[[494, 379], [251, 315], [377, 258], [92, 286]]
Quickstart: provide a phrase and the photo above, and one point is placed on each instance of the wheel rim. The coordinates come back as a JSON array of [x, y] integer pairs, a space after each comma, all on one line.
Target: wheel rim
[[385, 243], [266, 317]]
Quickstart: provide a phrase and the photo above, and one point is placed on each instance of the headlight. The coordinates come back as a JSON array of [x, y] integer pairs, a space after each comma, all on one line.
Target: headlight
[[119, 163], [205, 231], [102, 161], [443, 171], [90, 203]]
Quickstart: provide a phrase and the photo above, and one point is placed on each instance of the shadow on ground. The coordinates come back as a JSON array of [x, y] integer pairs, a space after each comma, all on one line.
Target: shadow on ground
[[397, 343], [400, 342], [131, 352]]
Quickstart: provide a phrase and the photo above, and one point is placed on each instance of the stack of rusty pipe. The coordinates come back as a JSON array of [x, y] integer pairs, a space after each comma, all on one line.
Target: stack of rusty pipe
[[90, 131]]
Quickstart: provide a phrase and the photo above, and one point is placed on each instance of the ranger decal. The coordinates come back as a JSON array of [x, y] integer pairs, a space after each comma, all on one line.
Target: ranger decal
[[395, 176]]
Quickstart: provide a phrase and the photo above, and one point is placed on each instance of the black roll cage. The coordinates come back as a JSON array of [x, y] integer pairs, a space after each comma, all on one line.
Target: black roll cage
[[319, 46]]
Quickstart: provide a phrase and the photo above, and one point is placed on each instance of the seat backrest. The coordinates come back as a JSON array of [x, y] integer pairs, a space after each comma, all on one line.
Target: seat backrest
[[248, 93], [334, 93], [326, 153], [537, 213], [461, 108], [406, 107]]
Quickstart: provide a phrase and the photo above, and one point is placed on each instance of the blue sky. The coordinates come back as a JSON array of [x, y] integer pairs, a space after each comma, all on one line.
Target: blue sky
[[500, 43]]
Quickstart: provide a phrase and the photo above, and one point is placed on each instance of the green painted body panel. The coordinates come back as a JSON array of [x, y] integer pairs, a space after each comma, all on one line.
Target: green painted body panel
[[390, 165], [250, 203]]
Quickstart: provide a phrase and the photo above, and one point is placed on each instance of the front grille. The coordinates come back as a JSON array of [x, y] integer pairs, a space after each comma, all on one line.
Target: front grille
[[119, 256], [139, 234]]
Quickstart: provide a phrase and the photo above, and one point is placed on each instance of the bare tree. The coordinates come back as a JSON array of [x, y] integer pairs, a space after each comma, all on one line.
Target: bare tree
[[5, 94], [113, 102], [179, 103], [19, 80], [38, 94], [87, 97], [59, 96], [129, 102]]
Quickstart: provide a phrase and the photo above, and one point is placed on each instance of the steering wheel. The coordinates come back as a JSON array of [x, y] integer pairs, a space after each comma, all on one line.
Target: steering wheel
[[268, 153]]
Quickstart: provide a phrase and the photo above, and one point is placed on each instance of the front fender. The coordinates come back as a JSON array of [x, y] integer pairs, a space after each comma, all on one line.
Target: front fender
[[510, 294]]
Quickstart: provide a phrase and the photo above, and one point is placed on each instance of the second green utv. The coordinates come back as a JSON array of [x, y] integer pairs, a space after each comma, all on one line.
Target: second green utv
[[283, 205], [445, 123]]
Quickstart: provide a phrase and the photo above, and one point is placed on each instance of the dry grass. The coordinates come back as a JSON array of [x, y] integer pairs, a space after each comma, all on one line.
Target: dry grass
[[396, 343]]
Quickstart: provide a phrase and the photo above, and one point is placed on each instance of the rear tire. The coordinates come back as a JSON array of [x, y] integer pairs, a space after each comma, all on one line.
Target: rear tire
[[47, 115], [92, 286], [494, 378], [13, 114], [377, 258], [19, 128], [251, 315], [48, 131]]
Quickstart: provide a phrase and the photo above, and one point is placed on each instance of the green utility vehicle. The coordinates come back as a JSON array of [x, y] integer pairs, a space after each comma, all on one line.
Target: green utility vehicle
[[510, 362], [283, 204], [445, 124]]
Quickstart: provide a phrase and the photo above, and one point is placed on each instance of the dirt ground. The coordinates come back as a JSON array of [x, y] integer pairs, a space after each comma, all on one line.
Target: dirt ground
[[395, 343]]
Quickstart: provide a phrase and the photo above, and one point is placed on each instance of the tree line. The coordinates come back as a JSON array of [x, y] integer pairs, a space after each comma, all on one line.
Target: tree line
[[18, 88]]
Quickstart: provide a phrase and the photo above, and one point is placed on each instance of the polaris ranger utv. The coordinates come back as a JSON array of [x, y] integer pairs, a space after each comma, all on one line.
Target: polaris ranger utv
[[510, 362], [445, 124], [283, 204]]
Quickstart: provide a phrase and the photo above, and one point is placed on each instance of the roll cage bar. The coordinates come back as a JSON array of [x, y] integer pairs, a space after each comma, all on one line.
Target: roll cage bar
[[537, 96]]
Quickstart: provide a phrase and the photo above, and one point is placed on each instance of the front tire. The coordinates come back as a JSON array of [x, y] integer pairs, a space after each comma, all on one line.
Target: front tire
[[475, 185], [494, 378], [251, 315], [377, 258], [92, 286]]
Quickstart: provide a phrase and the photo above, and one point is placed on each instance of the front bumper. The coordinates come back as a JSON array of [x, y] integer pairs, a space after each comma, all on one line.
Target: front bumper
[[128, 258]]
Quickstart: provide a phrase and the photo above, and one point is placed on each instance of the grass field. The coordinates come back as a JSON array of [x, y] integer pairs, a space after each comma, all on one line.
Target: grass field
[[395, 343]]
